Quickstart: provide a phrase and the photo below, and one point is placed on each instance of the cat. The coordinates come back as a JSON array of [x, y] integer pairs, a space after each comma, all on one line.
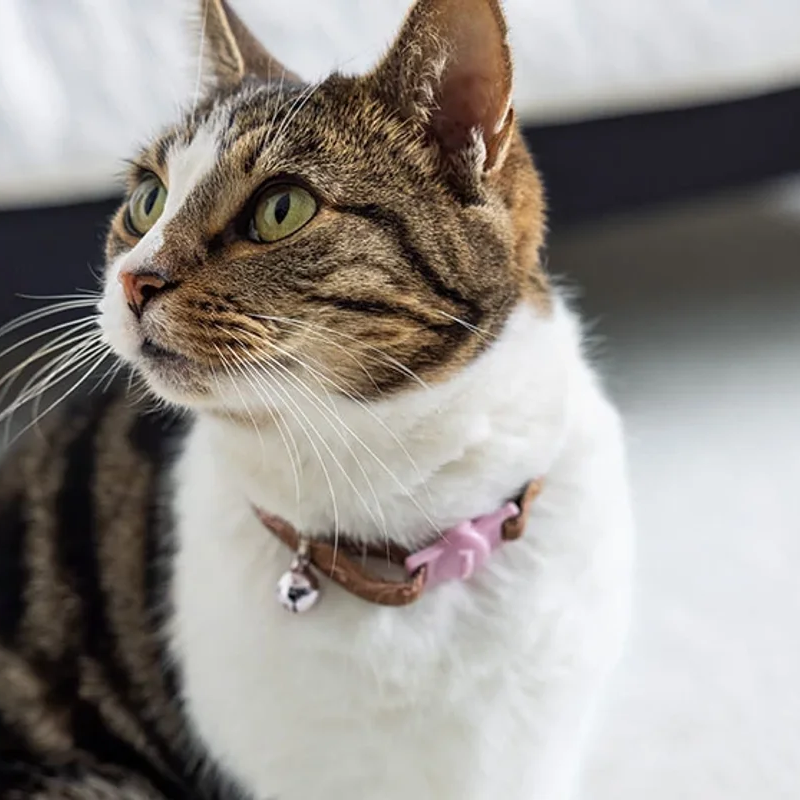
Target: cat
[[336, 293]]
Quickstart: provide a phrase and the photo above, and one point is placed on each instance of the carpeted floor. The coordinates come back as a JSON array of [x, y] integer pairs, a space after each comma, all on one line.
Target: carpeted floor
[[698, 319]]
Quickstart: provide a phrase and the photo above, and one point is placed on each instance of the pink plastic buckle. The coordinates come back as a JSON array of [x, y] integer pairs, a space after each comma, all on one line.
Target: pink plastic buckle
[[462, 549]]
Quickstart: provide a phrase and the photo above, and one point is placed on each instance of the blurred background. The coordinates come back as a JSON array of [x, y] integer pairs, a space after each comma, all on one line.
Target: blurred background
[[668, 132]]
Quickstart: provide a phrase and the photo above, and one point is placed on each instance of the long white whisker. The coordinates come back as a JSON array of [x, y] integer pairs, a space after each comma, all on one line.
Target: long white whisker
[[355, 397], [39, 313], [78, 294], [109, 376], [333, 418], [65, 364], [308, 330], [403, 488], [74, 325], [64, 342], [294, 412], [61, 371], [385, 356], [261, 391], [297, 106], [55, 370], [219, 391], [358, 400], [486, 335], [232, 379], [69, 392]]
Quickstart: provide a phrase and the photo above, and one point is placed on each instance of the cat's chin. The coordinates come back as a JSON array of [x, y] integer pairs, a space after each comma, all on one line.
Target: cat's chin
[[171, 376], [175, 386], [180, 382]]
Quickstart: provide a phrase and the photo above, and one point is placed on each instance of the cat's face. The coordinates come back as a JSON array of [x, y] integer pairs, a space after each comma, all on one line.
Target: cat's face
[[358, 236]]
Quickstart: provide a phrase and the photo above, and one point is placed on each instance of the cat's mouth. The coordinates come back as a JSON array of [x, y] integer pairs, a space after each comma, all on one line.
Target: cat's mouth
[[171, 375], [154, 352], [168, 367]]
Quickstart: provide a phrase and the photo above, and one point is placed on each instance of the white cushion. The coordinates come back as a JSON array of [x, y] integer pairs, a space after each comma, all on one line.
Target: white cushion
[[82, 80]]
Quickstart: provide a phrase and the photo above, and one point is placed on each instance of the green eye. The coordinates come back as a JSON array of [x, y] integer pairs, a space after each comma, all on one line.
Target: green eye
[[280, 212], [146, 204]]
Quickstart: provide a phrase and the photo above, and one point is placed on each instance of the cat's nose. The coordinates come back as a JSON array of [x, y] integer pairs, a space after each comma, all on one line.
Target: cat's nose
[[140, 288]]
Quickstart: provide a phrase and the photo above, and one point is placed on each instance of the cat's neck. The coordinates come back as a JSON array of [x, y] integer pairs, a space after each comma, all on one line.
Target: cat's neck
[[417, 462]]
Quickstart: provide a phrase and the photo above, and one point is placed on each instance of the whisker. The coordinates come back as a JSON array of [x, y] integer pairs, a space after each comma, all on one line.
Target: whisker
[[357, 398], [486, 335], [109, 376], [75, 324], [66, 394], [65, 341], [50, 375], [332, 417], [316, 326], [219, 391], [294, 412], [279, 422], [403, 488], [308, 330], [65, 367], [51, 371], [297, 106], [39, 313], [78, 294], [244, 402]]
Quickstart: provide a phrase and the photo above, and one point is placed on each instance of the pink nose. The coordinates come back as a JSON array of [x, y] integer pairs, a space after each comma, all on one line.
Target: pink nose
[[140, 288]]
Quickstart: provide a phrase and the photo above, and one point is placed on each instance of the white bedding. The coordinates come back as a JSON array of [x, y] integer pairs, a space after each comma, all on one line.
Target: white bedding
[[82, 80]]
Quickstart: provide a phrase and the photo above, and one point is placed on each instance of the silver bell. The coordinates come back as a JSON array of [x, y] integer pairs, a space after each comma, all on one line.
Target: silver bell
[[298, 589]]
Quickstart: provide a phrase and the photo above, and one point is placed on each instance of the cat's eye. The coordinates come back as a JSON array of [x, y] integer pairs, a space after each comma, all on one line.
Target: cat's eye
[[146, 205], [280, 212]]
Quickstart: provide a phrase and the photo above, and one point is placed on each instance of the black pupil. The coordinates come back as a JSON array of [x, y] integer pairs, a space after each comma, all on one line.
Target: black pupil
[[150, 200], [282, 208]]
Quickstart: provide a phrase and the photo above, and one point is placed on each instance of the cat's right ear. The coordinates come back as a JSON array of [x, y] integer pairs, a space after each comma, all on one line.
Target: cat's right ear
[[230, 51], [449, 73]]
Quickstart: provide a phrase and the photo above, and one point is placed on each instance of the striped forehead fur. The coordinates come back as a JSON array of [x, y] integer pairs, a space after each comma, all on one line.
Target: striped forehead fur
[[419, 255]]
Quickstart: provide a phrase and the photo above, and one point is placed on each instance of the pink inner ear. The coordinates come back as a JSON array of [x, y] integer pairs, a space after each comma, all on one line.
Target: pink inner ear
[[467, 101], [476, 83]]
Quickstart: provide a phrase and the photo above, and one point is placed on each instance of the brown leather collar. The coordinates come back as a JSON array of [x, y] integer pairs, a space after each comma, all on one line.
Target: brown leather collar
[[340, 562]]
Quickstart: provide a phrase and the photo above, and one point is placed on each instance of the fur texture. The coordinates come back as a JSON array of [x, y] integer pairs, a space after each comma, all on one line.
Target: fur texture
[[481, 690], [393, 365]]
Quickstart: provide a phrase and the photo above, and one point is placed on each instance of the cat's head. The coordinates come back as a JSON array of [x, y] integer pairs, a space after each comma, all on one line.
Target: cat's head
[[364, 232]]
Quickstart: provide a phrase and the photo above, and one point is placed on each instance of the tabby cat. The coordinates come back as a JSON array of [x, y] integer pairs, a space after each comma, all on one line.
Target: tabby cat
[[336, 293]]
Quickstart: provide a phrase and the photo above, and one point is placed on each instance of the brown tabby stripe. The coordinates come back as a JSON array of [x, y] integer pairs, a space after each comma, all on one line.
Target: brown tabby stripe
[[21, 780], [13, 570], [389, 220], [81, 674], [102, 641], [378, 306]]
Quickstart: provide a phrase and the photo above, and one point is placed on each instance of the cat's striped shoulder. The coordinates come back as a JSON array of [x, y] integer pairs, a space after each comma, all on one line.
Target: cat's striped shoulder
[[83, 524]]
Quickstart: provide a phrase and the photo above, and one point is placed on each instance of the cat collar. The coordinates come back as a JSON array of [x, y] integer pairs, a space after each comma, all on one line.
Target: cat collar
[[456, 555]]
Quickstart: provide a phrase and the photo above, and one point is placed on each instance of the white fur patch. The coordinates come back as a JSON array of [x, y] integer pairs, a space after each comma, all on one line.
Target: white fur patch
[[187, 165], [483, 689]]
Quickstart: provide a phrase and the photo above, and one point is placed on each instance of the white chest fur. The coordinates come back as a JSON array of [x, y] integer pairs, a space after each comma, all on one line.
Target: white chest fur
[[479, 691]]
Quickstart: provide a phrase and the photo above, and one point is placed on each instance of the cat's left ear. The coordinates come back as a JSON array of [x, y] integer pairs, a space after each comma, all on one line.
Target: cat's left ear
[[231, 52], [450, 71]]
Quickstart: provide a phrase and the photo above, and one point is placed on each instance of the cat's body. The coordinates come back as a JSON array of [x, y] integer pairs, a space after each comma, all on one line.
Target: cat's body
[[368, 346], [87, 707], [479, 690]]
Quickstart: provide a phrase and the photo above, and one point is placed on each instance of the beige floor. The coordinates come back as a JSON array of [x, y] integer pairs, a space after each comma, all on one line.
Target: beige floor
[[697, 314]]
